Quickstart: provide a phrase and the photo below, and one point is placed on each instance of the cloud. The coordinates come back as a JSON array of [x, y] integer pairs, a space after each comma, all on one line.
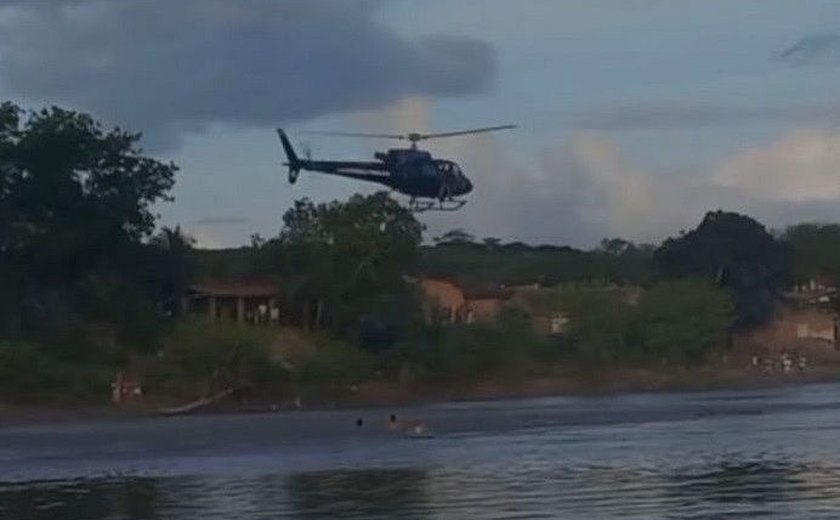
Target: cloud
[[800, 167], [671, 115], [585, 188], [813, 49], [220, 221], [165, 67], [215, 232]]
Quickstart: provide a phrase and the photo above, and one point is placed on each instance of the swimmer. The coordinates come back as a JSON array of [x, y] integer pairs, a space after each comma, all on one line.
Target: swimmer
[[412, 428]]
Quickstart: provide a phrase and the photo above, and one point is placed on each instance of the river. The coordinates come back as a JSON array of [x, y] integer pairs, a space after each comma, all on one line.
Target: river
[[747, 454]]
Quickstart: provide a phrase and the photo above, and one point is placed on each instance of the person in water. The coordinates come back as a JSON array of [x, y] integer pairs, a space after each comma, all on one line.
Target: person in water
[[407, 427]]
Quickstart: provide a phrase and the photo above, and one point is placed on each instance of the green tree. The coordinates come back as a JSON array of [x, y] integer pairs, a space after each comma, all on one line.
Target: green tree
[[616, 246], [455, 236], [601, 324], [735, 252], [683, 321], [75, 205], [176, 266], [344, 262], [816, 251]]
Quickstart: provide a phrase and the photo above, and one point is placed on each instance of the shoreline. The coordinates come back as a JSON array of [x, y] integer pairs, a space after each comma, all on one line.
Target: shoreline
[[376, 395]]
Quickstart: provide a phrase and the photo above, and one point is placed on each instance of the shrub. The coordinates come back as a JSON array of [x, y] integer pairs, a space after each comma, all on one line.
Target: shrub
[[203, 356], [333, 363], [683, 321], [29, 373]]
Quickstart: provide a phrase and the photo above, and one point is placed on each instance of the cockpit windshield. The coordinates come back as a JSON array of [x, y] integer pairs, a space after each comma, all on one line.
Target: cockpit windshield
[[449, 168]]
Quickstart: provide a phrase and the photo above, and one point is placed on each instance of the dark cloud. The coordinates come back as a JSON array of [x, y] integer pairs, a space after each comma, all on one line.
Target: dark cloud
[[816, 48], [165, 67], [664, 116]]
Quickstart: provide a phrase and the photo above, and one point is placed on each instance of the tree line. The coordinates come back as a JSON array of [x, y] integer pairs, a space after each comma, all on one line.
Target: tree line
[[82, 252]]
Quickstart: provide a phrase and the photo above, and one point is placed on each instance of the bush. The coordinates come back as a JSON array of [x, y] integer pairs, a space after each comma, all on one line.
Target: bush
[[674, 322], [507, 346], [601, 326], [201, 356], [332, 363], [683, 321], [29, 373]]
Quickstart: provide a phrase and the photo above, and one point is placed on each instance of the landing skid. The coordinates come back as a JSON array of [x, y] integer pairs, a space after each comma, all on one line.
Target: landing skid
[[419, 206]]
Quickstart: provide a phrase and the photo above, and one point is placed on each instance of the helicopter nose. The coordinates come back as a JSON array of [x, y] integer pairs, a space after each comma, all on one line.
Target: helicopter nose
[[467, 185]]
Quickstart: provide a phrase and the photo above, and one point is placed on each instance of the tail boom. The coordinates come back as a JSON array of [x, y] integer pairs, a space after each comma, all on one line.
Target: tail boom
[[293, 163]]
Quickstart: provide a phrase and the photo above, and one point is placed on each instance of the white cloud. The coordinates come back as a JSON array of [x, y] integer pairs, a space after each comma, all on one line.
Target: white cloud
[[585, 188], [800, 167]]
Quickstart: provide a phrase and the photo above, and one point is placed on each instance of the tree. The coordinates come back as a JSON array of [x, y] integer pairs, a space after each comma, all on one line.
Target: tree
[[616, 246], [176, 266], [75, 205], [455, 236], [815, 250], [683, 321], [491, 242], [735, 252], [344, 262]]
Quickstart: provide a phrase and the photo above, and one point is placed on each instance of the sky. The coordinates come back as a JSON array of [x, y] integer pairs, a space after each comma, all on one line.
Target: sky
[[635, 117]]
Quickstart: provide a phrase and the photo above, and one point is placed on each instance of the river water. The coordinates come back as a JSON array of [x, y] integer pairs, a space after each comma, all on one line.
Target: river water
[[757, 454]]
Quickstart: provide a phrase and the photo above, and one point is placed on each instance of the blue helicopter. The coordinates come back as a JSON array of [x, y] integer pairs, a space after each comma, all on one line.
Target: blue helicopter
[[431, 184]]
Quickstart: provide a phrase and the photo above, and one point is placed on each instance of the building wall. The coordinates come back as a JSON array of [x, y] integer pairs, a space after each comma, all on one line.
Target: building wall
[[483, 309], [442, 298], [794, 328]]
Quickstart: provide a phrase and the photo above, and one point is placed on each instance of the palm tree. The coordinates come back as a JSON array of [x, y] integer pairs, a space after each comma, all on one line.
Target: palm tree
[[177, 269]]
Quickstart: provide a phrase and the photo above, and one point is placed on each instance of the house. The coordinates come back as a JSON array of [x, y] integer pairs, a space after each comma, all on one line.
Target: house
[[255, 301], [447, 301], [484, 305], [815, 292], [443, 300]]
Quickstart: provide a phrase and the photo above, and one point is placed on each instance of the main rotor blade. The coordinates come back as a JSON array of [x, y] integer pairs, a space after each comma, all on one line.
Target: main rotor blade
[[466, 132], [357, 134]]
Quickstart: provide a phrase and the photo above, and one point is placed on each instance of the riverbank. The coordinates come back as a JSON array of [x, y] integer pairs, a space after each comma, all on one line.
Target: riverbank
[[385, 394]]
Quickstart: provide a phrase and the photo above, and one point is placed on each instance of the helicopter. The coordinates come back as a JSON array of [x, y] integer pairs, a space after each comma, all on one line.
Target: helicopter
[[431, 183]]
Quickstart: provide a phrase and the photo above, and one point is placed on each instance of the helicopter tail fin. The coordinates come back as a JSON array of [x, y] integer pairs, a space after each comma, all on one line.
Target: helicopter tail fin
[[294, 162]]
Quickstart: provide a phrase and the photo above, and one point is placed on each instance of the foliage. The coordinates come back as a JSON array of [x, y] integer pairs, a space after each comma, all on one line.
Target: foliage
[[345, 262], [683, 321], [677, 322], [29, 373], [737, 253], [492, 262], [458, 353], [332, 364], [455, 236], [601, 325], [202, 357], [75, 205], [815, 250], [175, 266]]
